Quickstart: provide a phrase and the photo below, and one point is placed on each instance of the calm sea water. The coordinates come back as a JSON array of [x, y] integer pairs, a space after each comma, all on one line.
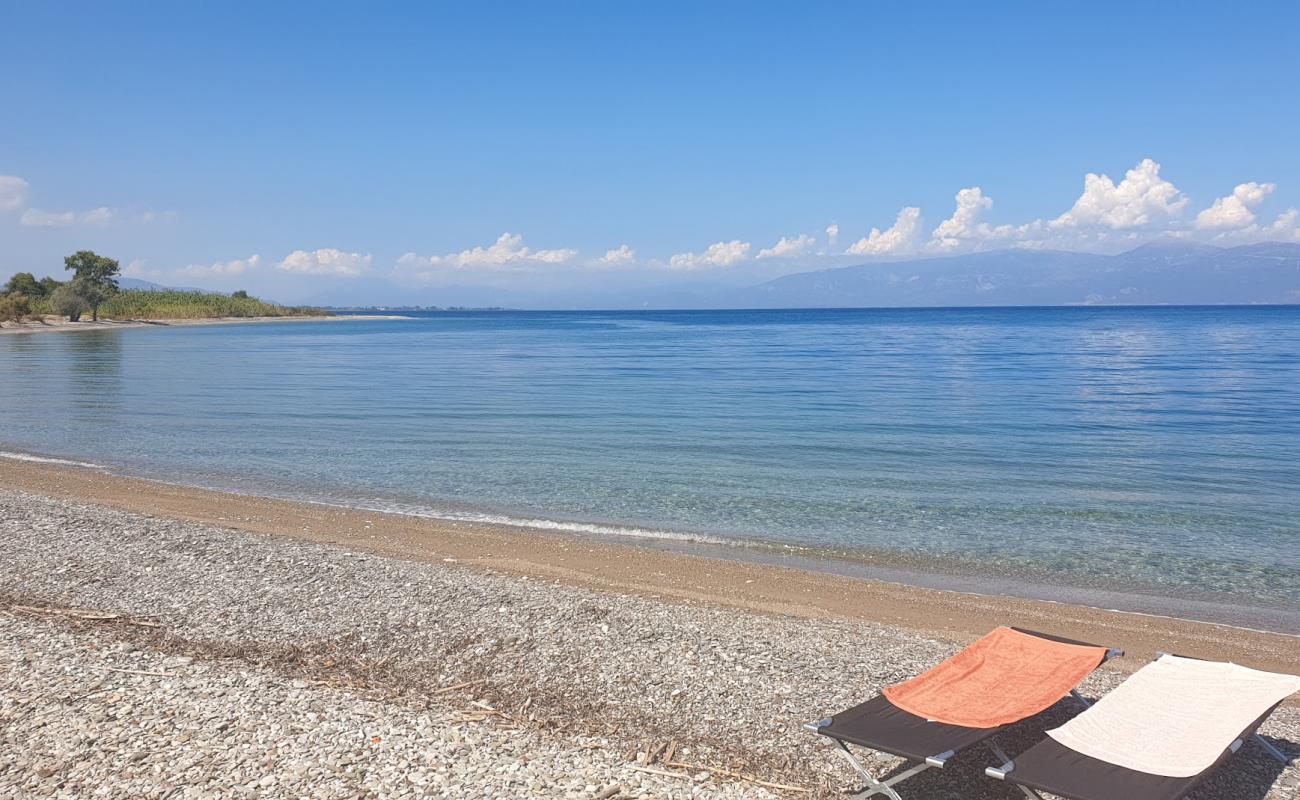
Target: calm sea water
[[1150, 451]]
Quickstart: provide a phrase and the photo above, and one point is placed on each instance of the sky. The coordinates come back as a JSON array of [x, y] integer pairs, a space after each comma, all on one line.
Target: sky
[[396, 153]]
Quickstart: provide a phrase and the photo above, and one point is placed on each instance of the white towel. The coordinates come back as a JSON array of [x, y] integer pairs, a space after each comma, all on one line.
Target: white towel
[[1176, 716]]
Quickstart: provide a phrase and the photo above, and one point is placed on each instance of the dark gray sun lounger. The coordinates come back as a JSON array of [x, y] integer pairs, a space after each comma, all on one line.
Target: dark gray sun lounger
[[1050, 766], [879, 725]]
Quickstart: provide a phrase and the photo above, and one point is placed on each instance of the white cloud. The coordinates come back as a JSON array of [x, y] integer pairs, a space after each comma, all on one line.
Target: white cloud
[[1141, 199], [327, 261], [718, 254], [897, 239], [964, 224], [1234, 211], [789, 248], [1286, 226], [616, 258], [13, 192], [37, 218], [507, 253], [832, 235], [237, 266], [139, 268]]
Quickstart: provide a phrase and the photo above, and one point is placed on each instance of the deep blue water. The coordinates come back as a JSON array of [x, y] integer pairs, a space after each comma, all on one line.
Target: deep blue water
[[1150, 450]]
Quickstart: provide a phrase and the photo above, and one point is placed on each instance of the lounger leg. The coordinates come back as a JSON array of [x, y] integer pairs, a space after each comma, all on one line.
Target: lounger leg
[[1002, 754], [1075, 694], [1272, 751], [875, 787]]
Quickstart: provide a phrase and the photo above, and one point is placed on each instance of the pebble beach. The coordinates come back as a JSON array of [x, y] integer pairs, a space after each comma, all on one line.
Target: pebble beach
[[147, 656]]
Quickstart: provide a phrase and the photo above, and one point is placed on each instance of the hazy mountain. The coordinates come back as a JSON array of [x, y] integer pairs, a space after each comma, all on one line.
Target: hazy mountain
[[1166, 272], [149, 286], [136, 283]]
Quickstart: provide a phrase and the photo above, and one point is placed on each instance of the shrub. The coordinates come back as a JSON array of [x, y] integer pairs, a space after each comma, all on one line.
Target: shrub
[[69, 303], [24, 283], [14, 306], [172, 304]]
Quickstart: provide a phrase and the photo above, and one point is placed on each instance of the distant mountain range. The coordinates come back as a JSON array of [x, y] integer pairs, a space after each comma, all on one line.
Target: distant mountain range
[[137, 284], [1166, 272]]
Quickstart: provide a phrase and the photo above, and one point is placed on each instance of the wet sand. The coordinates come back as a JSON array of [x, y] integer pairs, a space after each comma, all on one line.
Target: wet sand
[[675, 577]]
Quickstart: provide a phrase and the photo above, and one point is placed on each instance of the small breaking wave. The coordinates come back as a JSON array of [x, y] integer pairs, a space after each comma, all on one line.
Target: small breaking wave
[[539, 523], [48, 460]]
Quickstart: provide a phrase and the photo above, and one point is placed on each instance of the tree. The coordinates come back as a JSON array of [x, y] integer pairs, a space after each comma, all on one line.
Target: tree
[[95, 278], [23, 283], [48, 285], [68, 302], [14, 306], [240, 295]]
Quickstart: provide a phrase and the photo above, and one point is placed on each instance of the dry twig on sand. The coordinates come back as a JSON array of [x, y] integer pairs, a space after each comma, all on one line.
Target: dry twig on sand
[[738, 776], [85, 615], [140, 672]]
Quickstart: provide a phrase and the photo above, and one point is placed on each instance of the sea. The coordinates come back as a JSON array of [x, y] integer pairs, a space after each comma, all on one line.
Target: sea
[[1144, 459]]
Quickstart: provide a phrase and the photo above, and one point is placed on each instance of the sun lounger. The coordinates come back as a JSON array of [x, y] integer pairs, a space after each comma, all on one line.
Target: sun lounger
[[1007, 676], [1156, 736]]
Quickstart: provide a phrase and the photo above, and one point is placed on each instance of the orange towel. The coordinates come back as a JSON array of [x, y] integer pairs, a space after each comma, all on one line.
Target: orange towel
[[1002, 678]]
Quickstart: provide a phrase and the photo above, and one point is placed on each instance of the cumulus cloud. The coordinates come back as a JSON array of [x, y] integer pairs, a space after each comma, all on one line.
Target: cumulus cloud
[[1234, 211], [507, 253], [894, 240], [36, 218], [326, 261], [789, 248], [718, 254], [1286, 226], [236, 266], [964, 222], [623, 256], [1141, 199], [140, 268], [832, 235], [13, 192]]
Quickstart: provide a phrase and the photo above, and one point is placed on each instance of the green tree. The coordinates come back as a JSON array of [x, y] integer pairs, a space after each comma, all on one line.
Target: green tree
[[240, 294], [94, 276], [23, 283], [67, 301], [14, 306]]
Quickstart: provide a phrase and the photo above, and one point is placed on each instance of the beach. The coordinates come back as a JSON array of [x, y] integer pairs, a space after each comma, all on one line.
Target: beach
[[62, 325], [162, 639]]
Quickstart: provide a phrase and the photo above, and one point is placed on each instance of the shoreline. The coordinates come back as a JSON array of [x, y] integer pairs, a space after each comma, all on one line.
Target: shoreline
[[663, 573], [939, 573], [113, 325], [233, 646]]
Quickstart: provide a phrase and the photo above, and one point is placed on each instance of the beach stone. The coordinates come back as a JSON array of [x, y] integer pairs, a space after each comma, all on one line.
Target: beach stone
[[301, 670]]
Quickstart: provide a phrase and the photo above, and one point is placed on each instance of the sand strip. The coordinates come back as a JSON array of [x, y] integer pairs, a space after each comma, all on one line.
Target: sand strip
[[957, 617]]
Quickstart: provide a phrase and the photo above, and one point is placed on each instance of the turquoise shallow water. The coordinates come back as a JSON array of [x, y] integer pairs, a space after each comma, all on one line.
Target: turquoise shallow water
[[1154, 451]]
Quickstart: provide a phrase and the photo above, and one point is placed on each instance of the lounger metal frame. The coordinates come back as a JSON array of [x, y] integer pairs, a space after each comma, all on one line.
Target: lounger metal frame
[[875, 786], [1003, 772]]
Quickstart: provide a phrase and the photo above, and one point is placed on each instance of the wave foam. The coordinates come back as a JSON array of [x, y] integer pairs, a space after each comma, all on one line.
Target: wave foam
[[48, 460], [530, 522]]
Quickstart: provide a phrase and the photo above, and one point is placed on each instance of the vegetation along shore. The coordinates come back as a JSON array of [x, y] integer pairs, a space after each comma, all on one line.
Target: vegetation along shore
[[27, 303]]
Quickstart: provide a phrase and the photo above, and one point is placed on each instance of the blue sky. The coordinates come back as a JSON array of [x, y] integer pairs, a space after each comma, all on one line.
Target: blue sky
[[363, 151]]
